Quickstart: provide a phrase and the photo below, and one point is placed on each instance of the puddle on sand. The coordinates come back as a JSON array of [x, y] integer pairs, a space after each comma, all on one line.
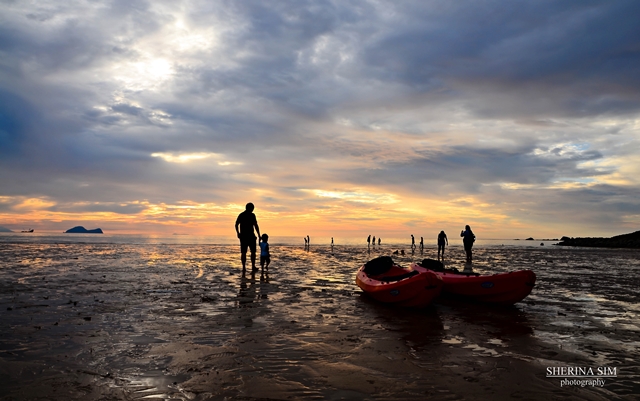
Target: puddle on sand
[[452, 340], [482, 350], [156, 385], [496, 341]]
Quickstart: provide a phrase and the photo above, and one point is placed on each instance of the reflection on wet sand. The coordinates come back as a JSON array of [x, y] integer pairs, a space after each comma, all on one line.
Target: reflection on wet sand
[[99, 321]]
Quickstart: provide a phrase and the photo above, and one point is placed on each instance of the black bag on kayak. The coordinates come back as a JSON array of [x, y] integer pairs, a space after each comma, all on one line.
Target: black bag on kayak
[[432, 264], [378, 265]]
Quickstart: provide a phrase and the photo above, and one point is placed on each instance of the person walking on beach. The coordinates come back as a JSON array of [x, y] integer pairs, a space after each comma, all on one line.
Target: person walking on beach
[[442, 239], [265, 256], [373, 241], [421, 243], [413, 242], [468, 238], [245, 223], [369, 241], [379, 241]]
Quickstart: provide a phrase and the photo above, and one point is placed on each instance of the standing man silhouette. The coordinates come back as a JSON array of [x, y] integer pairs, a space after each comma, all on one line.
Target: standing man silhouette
[[442, 239], [245, 223]]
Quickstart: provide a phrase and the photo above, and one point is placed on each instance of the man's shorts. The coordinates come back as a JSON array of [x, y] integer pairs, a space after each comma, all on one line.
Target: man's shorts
[[248, 242]]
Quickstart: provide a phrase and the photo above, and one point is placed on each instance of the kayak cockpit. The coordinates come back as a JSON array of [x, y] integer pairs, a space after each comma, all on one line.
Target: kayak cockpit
[[390, 279]]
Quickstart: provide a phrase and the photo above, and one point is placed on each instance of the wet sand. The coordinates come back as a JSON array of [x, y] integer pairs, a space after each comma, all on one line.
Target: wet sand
[[152, 321]]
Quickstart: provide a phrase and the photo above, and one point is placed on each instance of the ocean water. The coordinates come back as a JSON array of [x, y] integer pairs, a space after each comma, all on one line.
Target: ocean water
[[104, 304], [396, 243]]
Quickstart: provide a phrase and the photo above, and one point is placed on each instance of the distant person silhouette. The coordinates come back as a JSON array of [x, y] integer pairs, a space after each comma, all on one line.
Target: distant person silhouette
[[369, 240], [413, 242], [331, 241], [421, 243], [265, 255], [379, 241], [468, 238], [442, 239], [373, 241], [245, 224]]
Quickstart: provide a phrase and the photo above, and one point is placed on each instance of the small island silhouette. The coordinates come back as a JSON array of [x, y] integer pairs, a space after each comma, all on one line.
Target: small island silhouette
[[631, 240], [82, 230]]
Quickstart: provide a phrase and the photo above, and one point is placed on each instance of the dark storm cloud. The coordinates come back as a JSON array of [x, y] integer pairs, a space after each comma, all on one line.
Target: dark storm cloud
[[13, 124], [518, 59]]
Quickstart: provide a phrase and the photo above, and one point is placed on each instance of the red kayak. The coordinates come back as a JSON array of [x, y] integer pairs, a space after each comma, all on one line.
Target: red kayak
[[387, 282], [501, 288]]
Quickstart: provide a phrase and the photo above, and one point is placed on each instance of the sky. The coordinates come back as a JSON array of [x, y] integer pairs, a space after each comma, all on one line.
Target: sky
[[334, 118]]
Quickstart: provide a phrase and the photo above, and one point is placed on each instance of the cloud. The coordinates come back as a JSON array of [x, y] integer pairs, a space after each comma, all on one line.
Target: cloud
[[321, 108]]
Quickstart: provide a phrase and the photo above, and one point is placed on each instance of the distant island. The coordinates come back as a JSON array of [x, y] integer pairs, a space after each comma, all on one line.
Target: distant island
[[5, 230], [532, 239], [619, 241], [82, 230]]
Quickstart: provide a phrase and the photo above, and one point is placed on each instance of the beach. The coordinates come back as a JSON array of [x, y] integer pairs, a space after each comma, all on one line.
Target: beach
[[87, 319]]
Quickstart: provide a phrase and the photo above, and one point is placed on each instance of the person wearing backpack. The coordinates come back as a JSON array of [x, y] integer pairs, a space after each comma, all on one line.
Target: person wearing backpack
[[468, 238]]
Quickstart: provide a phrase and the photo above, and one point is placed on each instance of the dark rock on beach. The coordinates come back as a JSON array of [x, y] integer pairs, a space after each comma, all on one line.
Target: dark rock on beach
[[619, 241], [82, 230]]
